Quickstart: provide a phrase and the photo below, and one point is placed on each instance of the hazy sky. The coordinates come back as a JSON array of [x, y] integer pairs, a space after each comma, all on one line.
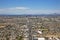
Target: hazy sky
[[29, 6]]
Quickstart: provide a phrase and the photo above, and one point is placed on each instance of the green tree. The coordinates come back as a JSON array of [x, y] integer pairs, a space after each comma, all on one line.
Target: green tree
[[20, 38]]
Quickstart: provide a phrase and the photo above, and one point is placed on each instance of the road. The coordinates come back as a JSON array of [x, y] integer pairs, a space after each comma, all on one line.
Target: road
[[30, 28]]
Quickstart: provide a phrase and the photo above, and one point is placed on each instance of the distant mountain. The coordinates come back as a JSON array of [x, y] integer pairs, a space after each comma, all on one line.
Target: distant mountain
[[52, 14]]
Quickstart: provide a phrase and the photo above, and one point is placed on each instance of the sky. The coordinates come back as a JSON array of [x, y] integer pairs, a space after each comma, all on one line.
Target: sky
[[29, 6]]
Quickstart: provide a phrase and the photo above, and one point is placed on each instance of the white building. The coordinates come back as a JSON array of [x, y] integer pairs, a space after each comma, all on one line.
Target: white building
[[41, 38]]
